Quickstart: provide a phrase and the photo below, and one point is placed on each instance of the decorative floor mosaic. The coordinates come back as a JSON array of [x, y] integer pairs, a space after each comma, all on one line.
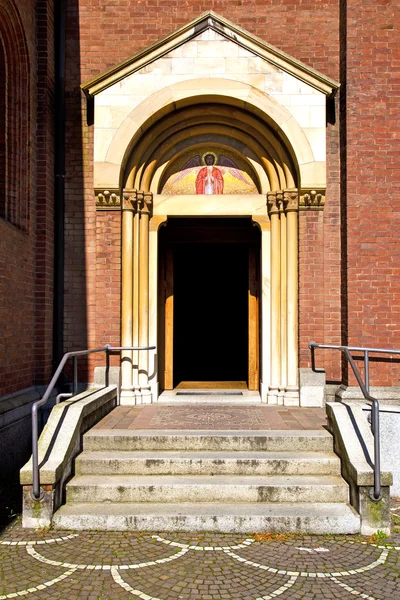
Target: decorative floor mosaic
[[213, 417], [124, 565]]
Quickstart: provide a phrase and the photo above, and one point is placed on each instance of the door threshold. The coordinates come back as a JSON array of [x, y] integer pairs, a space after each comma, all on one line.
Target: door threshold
[[211, 385], [210, 396], [209, 393]]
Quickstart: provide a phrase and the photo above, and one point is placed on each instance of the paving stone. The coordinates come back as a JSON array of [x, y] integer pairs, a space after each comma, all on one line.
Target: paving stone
[[90, 565]]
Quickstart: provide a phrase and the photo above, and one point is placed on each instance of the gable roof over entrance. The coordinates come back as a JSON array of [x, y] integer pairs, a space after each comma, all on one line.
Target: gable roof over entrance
[[211, 20]]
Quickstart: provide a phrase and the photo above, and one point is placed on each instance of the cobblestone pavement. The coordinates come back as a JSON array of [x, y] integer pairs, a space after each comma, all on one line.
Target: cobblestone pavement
[[180, 566], [214, 417]]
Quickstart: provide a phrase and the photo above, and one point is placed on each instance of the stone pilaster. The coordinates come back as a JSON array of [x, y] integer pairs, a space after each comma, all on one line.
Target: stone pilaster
[[145, 204], [283, 207], [291, 207], [274, 202], [136, 212]]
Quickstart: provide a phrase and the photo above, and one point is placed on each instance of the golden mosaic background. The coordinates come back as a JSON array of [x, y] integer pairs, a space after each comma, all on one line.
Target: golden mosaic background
[[180, 180]]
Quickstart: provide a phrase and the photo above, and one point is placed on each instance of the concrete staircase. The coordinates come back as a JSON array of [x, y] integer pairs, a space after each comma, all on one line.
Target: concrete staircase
[[230, 481]]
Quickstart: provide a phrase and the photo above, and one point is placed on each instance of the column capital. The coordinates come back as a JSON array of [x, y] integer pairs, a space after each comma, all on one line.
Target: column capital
[[275, 202], [145, 203], [137, 200], [129, 200], [291, 200]]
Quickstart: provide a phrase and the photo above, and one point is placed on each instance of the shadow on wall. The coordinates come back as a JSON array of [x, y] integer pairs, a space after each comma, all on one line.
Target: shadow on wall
[[15, 411], [16, 448]]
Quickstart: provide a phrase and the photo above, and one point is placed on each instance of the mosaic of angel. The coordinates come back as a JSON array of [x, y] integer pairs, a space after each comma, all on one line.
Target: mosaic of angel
[[209, 179]]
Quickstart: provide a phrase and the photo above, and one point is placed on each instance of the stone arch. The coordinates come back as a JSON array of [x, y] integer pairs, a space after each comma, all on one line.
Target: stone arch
[[183, 95], [15, 129], [148, 141]]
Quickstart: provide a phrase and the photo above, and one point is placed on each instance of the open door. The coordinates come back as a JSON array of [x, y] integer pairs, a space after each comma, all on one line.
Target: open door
[[209, 313], [169, 319], [254, 320]]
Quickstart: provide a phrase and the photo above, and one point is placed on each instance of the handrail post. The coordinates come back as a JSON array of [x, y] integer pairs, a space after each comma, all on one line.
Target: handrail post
[[35, 458], [75, 384], [107, 377], [312, 348], [376, 492], [366, 368]]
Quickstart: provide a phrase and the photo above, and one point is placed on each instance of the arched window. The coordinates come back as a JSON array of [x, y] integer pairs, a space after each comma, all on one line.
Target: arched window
[[15, 120], [3, 157]]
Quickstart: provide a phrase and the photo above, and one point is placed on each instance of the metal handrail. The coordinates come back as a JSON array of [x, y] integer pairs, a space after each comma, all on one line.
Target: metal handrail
[[375, 492], [37, 493]]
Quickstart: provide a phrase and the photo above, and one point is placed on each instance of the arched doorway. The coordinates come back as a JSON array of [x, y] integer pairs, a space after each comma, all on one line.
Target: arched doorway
[[248, 161]]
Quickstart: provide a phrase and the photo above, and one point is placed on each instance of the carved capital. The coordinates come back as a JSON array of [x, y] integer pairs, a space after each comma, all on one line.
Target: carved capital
[[312, 199], [145, 203], [291, 200], [129, 200], [107, 199], [275, 202]]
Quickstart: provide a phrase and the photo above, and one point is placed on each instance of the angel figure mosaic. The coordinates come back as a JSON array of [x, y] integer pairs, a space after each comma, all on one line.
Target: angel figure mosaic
[[210, 173]]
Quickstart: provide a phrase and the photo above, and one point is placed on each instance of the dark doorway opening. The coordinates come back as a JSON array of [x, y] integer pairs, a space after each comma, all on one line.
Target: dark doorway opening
[[210, 312], [208, 279]]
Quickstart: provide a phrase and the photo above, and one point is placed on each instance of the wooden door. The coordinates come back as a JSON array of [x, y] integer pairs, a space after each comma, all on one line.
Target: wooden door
[[254, 320], [169, 320]]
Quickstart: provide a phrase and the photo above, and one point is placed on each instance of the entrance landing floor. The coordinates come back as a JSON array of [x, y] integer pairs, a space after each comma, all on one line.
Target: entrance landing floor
[[214, 417]]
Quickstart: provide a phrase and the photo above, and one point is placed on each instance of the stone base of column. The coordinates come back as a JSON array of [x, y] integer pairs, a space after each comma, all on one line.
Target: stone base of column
[[127, 397], [137, 396], [147, 396], [273, 395], [154, 388], [264, 392], [292, 396]]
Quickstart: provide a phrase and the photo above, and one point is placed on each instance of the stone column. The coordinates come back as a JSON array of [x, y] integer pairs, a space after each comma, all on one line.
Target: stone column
[[155, 223], [283, 323], [265, 291], [128, 210], [135, 322], [291, 204], [145, 201], [274, 200]]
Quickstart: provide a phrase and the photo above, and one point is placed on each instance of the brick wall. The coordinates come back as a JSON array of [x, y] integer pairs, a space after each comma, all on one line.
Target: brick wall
[[373, 175], [108, 280], [17, 237], [26, 242], [44, 192]]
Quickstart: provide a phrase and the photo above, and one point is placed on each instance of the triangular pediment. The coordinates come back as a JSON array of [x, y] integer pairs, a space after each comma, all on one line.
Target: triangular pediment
[[229, 31]]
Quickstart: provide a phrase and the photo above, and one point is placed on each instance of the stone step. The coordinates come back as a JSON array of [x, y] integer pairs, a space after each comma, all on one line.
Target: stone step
[[315, 518], [235, 441], [190, 488], [177, 462]]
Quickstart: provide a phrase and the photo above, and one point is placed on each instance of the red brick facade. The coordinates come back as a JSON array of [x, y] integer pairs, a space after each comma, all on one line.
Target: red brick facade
[[26, 240], [372, 178], [349, 252]]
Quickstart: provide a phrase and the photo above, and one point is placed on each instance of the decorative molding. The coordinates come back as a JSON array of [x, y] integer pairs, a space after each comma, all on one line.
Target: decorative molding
[[312, 199], [107, 199], [282, 201], [145, 201], [291, 200], [137, 200], [274, 202]]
